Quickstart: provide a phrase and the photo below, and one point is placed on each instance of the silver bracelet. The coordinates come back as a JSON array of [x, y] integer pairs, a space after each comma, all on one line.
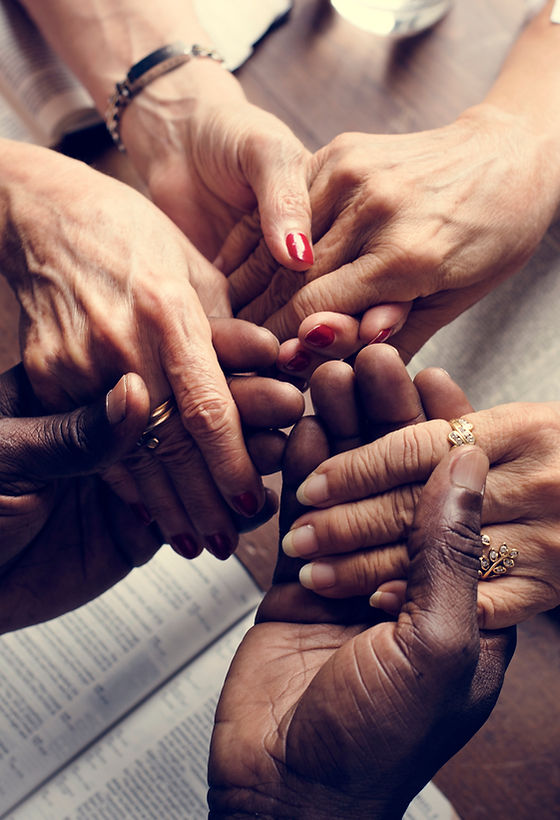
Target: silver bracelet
[[157, 63]]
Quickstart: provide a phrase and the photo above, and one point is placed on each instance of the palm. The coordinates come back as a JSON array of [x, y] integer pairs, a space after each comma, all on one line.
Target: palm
[[261, 701], [279, 724], [324, 714]]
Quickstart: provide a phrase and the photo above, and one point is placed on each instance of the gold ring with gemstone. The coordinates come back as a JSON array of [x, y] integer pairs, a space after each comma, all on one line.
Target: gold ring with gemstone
[[161, 413], [461, 432], [495, 562]]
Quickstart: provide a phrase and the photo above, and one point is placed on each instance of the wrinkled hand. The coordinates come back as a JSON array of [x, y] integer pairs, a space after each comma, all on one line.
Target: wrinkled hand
[[356, 544], [436, 218], [209, 157], [306, 726], [108, 285], [65, 535]]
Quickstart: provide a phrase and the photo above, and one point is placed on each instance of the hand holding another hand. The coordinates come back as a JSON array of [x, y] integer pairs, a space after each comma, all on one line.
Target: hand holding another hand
[[209, 157], [66, 537], [384, 450], [306, 724], [108, 285], [431, 220]]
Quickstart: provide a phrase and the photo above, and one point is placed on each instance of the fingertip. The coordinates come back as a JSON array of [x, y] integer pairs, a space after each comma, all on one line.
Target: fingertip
[[469, 468], [300, 249], [317, 576], [115, 402], [381, 322], [128, 400], [388, 602], [330, 333], [268, 509]]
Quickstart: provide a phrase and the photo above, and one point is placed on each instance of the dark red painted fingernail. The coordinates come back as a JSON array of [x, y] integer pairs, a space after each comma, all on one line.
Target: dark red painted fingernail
[[320, 336], [299, 248], [219, 545], [246, 504], [142, 514], [382, 335], [185, 545], [298, 362]]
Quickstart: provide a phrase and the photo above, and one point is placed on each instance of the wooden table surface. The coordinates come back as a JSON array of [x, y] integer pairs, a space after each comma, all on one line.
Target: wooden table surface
[[324, 76]]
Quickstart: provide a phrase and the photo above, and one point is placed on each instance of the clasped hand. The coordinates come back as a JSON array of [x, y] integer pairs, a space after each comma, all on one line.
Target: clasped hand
[[326, 712]]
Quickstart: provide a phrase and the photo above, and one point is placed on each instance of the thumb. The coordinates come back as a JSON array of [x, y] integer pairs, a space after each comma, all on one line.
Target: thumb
[[444, 548], [278, 178], [86, 440]]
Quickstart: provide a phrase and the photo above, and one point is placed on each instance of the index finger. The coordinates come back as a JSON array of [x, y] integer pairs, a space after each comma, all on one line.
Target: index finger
[[410, 454], [208, 412]]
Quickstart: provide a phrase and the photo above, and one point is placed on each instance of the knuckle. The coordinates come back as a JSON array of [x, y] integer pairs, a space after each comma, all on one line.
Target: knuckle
[[404, 453], [342, 149], [403, 506], [177, 449], [207, 417], [355, 472], [452, 649], [64, 435], [291, 205], [363, 572], [283, 286], [346, 530]]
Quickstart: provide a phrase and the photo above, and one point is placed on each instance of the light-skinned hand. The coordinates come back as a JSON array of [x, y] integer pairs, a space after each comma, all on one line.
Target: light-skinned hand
[[354, 542]]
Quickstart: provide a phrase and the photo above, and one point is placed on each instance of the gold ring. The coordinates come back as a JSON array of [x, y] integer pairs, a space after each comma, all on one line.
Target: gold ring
[[461, 432], [495, 562], [161, 413]]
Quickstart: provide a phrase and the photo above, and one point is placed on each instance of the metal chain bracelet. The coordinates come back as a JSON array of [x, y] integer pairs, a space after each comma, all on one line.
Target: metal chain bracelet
[[154, 65]]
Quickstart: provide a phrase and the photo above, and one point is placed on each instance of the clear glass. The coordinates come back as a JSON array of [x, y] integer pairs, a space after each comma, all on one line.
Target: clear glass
[[393, 18]]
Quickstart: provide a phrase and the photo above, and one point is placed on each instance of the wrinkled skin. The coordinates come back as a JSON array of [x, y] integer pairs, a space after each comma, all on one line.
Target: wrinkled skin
[[65, 535], [356, 542], [109, 285], [326, 712], [432, 220]]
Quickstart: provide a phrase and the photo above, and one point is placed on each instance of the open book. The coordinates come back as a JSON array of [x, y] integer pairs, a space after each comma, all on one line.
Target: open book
[[41, 100], [106, 712], [138, 671]]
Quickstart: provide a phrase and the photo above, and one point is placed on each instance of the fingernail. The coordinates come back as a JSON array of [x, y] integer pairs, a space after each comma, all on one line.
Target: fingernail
[[246, 504], [314, 490], [218, 262], [142, 514], [299, 248], [387, 601], [320, 336], [115, 402], [186, 546], [317, 576], [219, 545], [382, 335], [300, 542], [300, 361], [469, 469]]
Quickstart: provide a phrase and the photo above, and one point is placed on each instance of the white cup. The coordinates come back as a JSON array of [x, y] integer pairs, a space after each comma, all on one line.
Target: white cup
[[393, 18]]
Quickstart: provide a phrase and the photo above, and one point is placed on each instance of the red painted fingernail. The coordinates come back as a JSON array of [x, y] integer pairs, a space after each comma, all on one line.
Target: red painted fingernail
[[320, 336], [246, 504], [298, 362], [299, 248], [142, 514], [382, 335], [219, 545], [186, 546]]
